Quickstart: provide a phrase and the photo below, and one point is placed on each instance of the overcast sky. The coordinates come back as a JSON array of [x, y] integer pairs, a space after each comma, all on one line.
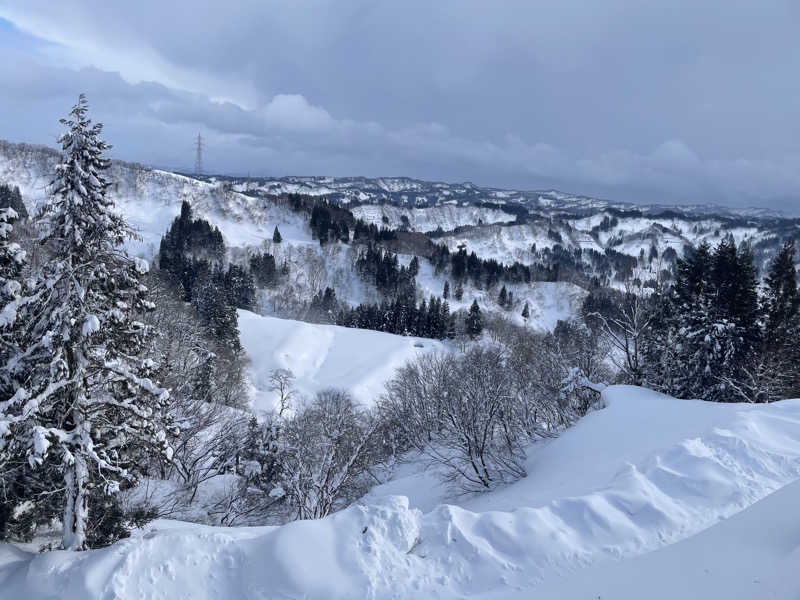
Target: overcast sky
[[675, 101]]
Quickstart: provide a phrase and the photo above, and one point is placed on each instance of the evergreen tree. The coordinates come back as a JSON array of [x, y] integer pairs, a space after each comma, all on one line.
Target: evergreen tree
[[276, 236], [446, 290], [526, 312], [474, 320], [781, 296], [459, 293], [10, 197], [211, 300], [83, 400], [263, 269], [449, 320], [12, 259], [781, 307], [502, 298], [705, 338], [413, 267]]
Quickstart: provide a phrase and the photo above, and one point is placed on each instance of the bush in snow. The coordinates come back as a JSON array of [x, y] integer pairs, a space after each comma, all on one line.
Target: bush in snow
[[325, 454], [463, 414]]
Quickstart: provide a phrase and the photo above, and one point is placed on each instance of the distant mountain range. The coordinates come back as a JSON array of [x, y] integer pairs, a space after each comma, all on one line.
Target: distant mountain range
[[405, 191]]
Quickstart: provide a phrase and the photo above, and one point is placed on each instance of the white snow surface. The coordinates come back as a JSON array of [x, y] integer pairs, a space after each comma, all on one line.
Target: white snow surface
[[323, 356], [638, 500]]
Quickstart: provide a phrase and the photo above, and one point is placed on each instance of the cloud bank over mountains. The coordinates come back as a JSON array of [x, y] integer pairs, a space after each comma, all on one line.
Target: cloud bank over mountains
[[671, 103]]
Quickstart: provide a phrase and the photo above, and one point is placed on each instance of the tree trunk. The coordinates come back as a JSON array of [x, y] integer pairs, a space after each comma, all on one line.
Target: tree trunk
[[76, 510]]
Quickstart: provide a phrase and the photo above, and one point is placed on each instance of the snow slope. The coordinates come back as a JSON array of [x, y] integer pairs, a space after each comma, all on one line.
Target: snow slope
[[150, 199], [646, 472], [322, 356]]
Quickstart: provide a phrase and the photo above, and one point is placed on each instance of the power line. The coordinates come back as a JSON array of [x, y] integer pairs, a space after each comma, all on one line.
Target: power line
[[198, 160]]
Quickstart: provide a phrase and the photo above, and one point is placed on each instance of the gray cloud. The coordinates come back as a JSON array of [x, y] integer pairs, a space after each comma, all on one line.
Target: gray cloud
[[647, 101]]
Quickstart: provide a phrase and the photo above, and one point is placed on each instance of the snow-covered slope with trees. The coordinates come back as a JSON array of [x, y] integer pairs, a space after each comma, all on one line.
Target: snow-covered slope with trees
[[445, 217], [646, 472], [150, 199], [404, 191], [323, 356], [246, 212]]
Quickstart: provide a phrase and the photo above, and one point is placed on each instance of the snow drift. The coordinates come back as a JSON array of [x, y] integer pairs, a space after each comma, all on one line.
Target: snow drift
[[672, 468]]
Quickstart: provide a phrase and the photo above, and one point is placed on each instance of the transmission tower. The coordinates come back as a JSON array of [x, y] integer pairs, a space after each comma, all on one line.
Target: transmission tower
[[198, 159]]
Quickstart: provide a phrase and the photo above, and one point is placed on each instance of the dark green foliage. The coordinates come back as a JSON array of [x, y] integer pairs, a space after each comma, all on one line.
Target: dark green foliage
[[263, 269], [474, 322], [503, 297], [239, 286], [781, 307], [329, 223], [383, 269], [705, 336], [111, 522], [323, 307], [365, 233], [212, 302], [413, 267], [402, 316], [459, 293], [276, 236], [191, 253], [189, 239], [781, 297], [10, 197]]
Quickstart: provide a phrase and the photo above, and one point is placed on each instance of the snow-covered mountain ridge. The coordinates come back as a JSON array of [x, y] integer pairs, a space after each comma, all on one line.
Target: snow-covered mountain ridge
[[504, 225], [405, 191]]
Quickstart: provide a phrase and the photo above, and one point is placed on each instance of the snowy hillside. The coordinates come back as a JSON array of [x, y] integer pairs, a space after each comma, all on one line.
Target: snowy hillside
[[246, 211], [446, 217], [647, 473], [150, 199], [323, 356], [628, 235]]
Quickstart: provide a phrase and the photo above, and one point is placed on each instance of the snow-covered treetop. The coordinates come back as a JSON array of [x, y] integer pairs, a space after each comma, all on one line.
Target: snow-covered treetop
[[80, 216]]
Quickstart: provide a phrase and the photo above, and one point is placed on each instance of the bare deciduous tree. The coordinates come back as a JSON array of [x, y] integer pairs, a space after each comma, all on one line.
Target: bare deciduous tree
[[282, 382], [326, 454], [626, 330]]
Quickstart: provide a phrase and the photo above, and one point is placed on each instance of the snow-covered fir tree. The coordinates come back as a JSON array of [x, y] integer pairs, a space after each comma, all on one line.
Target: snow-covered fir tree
[[705, 339], [83, 401], [781, 307], [12, 257], [459, 292], [473, 323]]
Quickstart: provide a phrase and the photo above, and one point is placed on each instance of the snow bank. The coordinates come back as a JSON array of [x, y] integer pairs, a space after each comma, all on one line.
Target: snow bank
[[753, 555], [322, 356], [657, 471]]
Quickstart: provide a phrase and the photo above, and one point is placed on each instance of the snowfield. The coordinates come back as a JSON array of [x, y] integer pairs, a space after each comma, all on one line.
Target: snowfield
[[638, 500], [323, 356]]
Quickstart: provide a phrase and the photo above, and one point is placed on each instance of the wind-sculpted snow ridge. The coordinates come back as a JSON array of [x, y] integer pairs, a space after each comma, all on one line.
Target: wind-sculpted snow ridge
[[684, 483]]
